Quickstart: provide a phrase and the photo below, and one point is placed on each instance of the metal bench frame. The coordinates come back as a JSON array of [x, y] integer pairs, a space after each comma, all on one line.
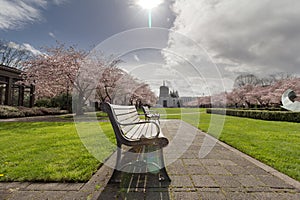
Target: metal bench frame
[[149, 114], [131, 131]]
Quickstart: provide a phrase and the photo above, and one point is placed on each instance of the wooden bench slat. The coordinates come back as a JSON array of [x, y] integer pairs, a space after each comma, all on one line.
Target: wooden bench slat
[[124, 112], [136, 132], [128, 118]]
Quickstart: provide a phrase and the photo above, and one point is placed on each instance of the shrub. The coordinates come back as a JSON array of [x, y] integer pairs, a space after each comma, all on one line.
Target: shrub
[[258, 114], [12, 112], [63, 101], [8, 112], [43, 103]]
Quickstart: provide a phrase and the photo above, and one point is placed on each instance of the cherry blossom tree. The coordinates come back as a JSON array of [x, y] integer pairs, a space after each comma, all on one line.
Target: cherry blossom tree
[[264, 96], [62, 70]]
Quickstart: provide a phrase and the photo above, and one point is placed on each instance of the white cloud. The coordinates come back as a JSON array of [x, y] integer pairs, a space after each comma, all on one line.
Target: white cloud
[[14, 14], [258, 36], [51, 35], [59, 2], [30, 48], [24, 46]]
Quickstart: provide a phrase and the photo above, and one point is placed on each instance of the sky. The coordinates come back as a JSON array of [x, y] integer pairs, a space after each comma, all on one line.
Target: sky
[[198, 47]]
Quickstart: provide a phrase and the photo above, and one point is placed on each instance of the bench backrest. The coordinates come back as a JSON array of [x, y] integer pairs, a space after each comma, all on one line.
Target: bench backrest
[[118, 115]]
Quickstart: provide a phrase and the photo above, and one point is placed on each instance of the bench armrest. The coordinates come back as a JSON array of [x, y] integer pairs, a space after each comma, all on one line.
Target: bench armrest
[[142, 122]]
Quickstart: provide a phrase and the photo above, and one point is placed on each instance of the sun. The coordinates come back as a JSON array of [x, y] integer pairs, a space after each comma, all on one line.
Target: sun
[[149, 4]]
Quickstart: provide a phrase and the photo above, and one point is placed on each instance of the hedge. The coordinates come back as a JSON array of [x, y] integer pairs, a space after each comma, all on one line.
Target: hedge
[[258, 114], [12, 112]]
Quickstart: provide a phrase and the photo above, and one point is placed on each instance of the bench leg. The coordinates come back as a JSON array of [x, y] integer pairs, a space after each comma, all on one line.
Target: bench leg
[[114, 177], [163, 172]]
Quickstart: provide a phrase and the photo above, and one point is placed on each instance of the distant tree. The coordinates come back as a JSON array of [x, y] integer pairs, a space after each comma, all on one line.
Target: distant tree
[[281, 76], [143, 95], [246, 79], [174, 94], [12, 54]]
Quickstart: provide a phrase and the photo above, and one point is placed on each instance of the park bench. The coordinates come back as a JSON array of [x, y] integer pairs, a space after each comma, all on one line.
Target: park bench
[[149, 114], [144, 136]]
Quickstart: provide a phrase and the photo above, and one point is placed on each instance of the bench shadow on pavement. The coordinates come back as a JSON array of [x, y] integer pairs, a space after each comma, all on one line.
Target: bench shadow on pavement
[[136, 185]]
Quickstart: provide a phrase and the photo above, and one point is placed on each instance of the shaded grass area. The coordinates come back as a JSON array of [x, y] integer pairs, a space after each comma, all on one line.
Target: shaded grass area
[[46, 151], [274, 143]]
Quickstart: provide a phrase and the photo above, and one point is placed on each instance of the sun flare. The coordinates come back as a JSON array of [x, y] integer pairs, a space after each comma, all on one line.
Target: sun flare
[[149, 4]]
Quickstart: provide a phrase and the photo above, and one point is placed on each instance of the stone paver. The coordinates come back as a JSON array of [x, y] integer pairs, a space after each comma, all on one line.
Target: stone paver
[[224, 173]]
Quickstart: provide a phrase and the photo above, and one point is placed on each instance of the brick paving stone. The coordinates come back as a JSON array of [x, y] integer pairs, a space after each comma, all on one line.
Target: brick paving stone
[[208, 162], [227, 181], [236, 170], [196, 170], [170, 157], [243, 162], [181, 181], [259, 189], [234, 189], [240, 196], [177, 167], [186, 196], [216, 156], [204, 181], [194, 147], [227, 163], [212, 196], [273, 181], [268, 196], [178, 189], [288, 196], [37, 195], [256, 171], [55, 186], [192, 162], [249, 181], [217, 170], [190, 154], [209, 189]]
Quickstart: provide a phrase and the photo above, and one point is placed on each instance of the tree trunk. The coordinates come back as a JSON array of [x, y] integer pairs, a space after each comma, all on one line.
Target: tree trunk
[[80, 104]]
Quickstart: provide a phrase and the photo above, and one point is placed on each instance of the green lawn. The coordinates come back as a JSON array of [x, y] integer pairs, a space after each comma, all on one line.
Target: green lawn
[[46, 151], [276, 144]]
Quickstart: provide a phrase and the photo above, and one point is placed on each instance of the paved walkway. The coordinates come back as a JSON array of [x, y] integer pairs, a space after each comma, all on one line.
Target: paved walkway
[[224, 173]]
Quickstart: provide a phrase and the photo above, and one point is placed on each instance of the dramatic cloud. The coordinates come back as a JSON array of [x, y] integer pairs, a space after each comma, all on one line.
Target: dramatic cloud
[[259, 36], [16, 13]]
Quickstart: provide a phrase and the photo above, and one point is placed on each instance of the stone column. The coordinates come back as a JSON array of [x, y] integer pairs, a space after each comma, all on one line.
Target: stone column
[[32, 96], [8, 95]]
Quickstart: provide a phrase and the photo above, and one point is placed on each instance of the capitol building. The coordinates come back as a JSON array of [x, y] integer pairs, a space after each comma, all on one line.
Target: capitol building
[[171, 99]]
